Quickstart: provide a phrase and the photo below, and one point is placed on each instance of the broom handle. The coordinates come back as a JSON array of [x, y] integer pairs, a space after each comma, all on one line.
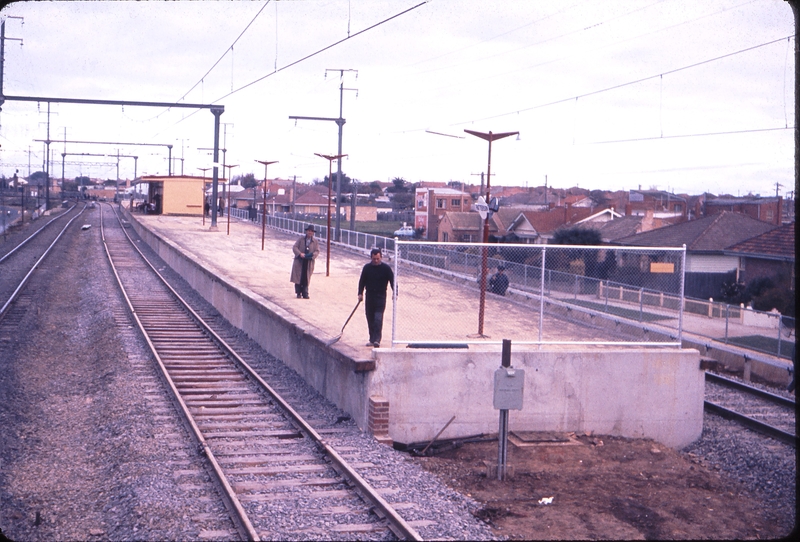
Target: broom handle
[[351, 315]]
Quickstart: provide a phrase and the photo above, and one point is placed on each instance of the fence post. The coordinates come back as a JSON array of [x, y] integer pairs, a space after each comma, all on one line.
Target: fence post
[[601, 282], [541, 299], [641, 304], [727, 314]]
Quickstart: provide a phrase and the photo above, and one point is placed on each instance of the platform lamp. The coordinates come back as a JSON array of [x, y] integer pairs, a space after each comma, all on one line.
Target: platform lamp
[[204, 169], [264, 213], [489, 136], [229, 195], [330, 160]]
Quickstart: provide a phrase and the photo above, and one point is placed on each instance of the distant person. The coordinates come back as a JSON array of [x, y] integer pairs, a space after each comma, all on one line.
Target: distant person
[[375, 276], [498, 283], [305, 250]]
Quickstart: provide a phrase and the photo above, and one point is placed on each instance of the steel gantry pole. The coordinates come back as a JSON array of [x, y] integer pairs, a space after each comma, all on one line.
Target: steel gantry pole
[[340, 122], [330, 160], [485, 250]]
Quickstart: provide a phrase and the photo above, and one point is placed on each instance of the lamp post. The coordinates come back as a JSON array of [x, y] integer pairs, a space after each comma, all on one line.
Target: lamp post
[[485, 250], [264, 214], [330, 160]]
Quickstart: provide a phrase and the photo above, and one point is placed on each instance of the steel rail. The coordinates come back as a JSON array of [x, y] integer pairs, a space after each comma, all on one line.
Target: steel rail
[[13, 250], [778, 399], [239, 516], [750, 423], [40, 259], [397, 524]]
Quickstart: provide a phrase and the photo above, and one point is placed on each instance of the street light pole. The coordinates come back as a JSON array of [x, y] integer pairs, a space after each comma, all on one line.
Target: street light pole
[[264, 213], [330, 160], [485, 250]]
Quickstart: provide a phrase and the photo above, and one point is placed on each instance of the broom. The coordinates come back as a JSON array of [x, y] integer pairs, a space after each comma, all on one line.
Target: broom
[[339, 336]]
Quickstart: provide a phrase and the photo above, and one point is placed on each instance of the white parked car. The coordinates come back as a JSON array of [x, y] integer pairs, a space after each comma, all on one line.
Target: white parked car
[[405, 231]]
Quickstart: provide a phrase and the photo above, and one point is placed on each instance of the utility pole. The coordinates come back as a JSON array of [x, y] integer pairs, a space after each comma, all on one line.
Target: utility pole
[[340, 123], [481, 174]]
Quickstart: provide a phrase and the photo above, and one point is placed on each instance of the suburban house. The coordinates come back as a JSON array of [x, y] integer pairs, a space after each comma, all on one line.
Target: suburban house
[[538, 227], [770, 254], [456, 227], [430, 204], [708, 262], [768, 209]]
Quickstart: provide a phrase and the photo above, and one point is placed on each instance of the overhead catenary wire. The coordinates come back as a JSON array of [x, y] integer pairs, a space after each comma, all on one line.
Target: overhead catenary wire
[[311, 55]]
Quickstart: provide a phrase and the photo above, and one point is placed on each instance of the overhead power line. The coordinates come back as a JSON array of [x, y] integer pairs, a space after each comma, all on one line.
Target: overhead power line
[[621, 85]]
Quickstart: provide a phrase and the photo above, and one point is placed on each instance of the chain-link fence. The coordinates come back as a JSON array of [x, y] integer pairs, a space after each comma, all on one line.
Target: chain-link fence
[[538, 294], [591, 294]]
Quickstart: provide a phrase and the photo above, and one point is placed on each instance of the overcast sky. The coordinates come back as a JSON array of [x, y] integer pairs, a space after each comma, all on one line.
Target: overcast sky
[[680, 95]]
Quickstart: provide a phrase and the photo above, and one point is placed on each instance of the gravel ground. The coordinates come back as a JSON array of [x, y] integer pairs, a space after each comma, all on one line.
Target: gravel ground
[[90, 448]]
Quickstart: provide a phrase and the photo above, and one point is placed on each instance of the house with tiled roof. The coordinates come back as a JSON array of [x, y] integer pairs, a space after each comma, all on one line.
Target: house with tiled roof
[[706, 239], [770, 254], [538, 227], [462, 227]]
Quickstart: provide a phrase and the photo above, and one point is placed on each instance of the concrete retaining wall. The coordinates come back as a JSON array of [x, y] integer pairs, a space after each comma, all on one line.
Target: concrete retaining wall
[[638, 393]]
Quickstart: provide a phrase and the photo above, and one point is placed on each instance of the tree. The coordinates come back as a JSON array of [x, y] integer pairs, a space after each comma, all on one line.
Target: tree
[[39, 178], [400, 185], [577, 236], [246, 181]]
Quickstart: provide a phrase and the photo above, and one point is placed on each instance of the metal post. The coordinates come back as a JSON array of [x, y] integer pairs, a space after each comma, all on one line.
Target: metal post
[[502, 435], [216, 111], [683, 299], [727, 314], [541, 299]]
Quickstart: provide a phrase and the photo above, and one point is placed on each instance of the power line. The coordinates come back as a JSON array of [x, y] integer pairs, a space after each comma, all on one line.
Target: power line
[[226, 52], [309, 56], [621, 85], [688, 135]]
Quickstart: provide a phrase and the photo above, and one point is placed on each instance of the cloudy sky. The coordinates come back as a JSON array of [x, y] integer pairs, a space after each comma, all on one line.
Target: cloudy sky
[[681, 95]]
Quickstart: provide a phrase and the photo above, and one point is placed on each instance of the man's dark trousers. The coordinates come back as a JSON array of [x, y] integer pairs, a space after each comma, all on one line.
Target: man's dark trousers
[[374, 307]]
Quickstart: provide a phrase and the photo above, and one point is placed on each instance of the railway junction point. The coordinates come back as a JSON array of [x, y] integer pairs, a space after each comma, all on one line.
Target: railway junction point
[[409, 394]]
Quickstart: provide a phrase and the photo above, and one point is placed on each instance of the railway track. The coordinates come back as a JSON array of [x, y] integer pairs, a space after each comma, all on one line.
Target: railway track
[[269, 463], [19, 263], [757, 409]]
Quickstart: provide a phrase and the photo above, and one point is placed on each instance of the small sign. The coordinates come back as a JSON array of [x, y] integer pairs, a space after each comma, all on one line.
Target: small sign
[[509, 384], [481, 207], [661, 267]]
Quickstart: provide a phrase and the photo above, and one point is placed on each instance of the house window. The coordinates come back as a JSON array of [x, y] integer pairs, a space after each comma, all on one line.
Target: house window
[[455, 203], [419, 204], [678, 208], [445, 237], [770, 215], [440, 203]]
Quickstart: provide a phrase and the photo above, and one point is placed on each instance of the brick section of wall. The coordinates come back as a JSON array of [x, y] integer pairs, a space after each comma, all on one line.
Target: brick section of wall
[[378, 419]]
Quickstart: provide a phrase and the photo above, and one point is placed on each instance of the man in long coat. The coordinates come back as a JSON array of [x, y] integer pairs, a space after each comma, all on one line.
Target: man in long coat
[[305, 250]]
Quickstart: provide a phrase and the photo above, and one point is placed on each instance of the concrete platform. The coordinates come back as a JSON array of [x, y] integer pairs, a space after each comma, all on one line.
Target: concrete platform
[[408, 395]]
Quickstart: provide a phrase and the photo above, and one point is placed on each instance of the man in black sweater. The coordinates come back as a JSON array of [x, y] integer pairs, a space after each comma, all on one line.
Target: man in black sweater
[[374, 278]]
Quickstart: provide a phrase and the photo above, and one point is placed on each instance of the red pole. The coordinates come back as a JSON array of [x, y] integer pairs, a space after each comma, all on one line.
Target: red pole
[[328, 233]]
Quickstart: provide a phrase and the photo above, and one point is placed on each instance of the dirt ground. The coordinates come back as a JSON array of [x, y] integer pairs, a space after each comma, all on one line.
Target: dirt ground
[[603, 488]]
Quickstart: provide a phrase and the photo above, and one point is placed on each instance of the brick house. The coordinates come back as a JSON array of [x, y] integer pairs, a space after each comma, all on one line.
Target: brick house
[[430, 205], [768, 209], [770, 254]]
